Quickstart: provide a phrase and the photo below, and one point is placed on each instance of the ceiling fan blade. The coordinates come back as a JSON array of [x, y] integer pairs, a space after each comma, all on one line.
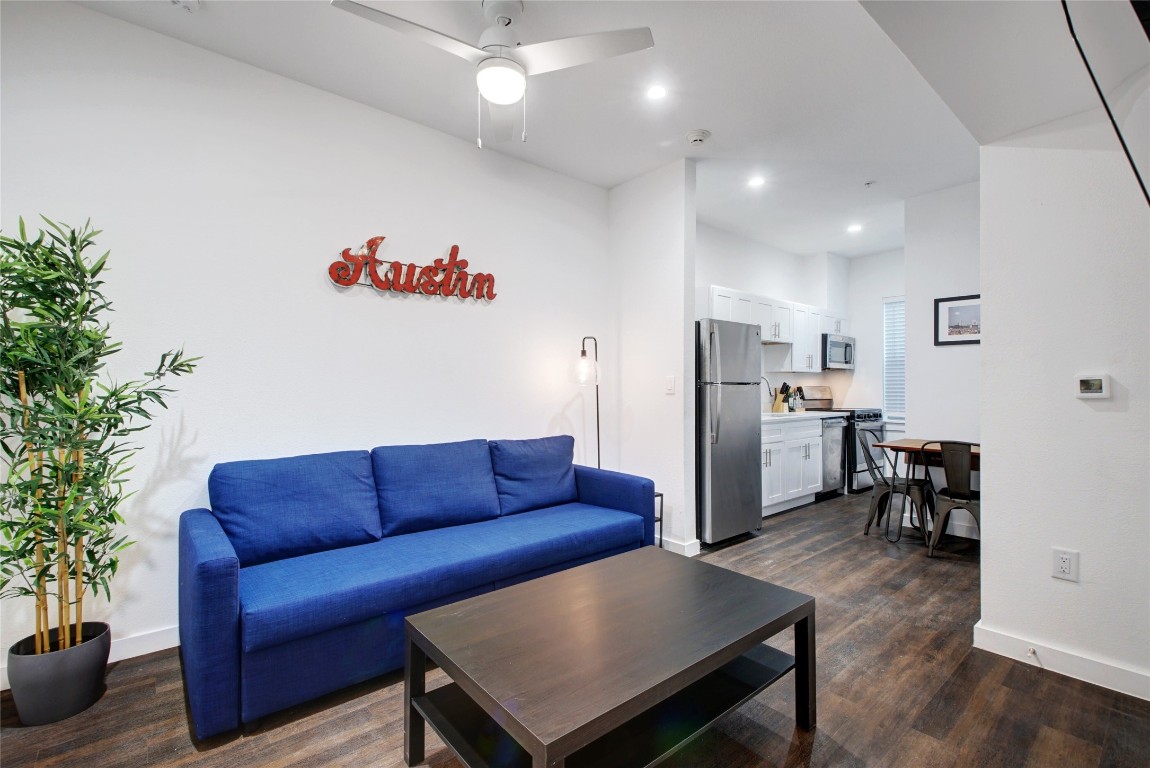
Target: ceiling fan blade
[[430, 36], [583, 49], [500, 121]]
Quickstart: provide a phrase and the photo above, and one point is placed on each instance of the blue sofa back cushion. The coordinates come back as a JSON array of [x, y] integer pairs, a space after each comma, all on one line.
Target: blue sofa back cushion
[[531, 474], [421, 487], [276, 508]]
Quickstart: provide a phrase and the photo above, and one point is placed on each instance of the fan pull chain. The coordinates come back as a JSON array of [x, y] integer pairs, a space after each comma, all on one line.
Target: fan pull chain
[[524, 116], [478, 120]]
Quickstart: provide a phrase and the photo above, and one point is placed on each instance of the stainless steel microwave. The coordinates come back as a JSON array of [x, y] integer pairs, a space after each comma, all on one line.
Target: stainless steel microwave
[[838, 352]]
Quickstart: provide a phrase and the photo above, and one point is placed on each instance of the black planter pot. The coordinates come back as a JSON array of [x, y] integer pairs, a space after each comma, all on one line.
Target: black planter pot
[[53, 686]]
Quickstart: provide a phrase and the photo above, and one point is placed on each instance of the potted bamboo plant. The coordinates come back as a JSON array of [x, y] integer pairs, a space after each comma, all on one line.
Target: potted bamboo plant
[[65, 431]]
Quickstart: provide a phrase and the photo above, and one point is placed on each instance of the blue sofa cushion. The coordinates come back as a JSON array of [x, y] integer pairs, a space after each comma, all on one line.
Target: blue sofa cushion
[[532, 474], [288, 599], [432, 486], [276, 508]]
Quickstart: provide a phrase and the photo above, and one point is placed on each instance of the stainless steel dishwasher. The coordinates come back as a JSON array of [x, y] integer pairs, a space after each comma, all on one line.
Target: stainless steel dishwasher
[[834, 432]]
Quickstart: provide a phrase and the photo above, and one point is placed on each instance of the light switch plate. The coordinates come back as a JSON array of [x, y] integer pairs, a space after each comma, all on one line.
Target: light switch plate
[[669, 387]]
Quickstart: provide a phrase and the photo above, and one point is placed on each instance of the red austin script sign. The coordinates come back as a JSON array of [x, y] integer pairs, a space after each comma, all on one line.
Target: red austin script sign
[[442, 278]]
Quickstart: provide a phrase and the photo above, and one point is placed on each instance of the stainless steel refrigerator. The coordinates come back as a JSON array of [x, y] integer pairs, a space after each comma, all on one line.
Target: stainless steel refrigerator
[[728, 417]]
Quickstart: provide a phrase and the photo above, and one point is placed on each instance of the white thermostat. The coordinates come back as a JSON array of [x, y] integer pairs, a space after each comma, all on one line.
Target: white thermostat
[[1093, 385]]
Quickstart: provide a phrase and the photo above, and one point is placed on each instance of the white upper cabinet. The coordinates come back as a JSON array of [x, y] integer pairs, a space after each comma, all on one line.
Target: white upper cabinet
[[799, 326], [832, 324], [729, 304], [805, 349], [776, 318]]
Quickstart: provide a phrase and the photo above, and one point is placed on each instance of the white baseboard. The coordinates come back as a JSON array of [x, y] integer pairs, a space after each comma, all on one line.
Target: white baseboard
[[1106, 674], [125, 647], [688, 548]]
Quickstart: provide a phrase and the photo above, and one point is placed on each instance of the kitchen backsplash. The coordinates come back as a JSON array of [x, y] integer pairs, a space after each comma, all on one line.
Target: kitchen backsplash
[[838, 381]]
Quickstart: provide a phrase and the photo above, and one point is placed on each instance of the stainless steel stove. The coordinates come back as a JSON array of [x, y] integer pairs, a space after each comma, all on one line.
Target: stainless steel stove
[[819, 398]]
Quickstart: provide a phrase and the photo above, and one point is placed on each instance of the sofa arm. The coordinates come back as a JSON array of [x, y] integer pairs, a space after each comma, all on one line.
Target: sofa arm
[[617, 490], [209, 623]]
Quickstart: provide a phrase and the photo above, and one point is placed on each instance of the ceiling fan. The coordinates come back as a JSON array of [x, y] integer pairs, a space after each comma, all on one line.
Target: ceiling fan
[[502, 64]]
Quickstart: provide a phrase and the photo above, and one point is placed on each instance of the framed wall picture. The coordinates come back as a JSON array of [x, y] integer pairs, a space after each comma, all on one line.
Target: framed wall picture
[[958, 320]]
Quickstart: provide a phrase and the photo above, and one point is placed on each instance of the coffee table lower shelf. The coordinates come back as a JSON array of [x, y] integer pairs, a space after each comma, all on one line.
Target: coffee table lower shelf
[[641, 742]]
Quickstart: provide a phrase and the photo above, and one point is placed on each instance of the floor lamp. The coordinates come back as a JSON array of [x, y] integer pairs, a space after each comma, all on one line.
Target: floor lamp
[[587, 372]]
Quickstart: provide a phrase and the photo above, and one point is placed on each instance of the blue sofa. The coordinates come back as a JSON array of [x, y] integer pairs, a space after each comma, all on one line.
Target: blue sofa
[[297, 581]]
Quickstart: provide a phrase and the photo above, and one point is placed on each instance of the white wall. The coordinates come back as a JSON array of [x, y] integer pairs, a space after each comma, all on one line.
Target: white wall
[[825, 277], [870, 279], [224, 193], [1065, 246], [942, 260], [734, 261], [652, 226]]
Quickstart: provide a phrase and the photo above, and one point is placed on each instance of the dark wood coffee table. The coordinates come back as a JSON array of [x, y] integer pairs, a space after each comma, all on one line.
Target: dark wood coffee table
[[619, 662]]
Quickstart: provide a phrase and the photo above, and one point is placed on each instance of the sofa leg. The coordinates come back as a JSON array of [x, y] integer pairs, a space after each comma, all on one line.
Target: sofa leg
[[249, 728]]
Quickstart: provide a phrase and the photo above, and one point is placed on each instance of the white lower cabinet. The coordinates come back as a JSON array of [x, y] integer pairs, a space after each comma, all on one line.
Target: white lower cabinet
[[802, 467], [772, 474], [792, 464], [813, 465]]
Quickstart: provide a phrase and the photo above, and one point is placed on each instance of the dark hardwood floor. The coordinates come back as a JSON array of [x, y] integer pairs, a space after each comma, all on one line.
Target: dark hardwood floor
[[899, 684]]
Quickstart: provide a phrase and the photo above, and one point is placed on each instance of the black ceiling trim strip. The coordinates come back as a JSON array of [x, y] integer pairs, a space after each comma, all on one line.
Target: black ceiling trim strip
[[1105, 105]]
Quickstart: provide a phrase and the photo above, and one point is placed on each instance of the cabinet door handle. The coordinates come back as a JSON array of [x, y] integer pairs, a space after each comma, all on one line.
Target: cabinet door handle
[[766, 455]]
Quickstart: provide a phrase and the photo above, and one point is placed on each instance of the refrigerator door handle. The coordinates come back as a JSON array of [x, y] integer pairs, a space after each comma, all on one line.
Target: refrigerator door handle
[[718, 357], [710, 416], [718, 414], [706, 340]]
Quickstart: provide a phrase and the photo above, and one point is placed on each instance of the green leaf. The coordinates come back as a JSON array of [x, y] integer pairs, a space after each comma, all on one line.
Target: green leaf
[[52, 327]]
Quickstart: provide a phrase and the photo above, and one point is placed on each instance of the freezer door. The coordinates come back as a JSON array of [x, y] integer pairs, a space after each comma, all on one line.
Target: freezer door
[[729, 352], [730, 481]]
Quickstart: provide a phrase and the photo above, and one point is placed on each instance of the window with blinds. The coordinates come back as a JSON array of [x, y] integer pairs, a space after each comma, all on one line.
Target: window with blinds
[[894, 358]]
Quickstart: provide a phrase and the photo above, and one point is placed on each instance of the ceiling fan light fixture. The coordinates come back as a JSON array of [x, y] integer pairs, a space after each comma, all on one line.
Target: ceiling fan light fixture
[[501, 80]]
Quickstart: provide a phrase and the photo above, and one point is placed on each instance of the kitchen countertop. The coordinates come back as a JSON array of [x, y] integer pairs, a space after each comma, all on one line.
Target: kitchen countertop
[[787, 417]]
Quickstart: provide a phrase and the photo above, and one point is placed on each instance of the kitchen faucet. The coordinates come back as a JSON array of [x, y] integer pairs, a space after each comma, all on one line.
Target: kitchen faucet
[[770, 391]]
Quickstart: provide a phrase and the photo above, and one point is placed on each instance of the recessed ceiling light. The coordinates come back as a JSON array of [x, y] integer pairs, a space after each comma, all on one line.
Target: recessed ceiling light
[[656, 92], [756, 181], [854, 229]]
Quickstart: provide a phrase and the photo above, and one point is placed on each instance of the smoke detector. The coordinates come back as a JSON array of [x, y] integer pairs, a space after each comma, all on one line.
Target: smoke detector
[[698, 136]]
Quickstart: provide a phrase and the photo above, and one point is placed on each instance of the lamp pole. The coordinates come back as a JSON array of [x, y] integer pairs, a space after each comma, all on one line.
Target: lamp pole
[[583, 354]]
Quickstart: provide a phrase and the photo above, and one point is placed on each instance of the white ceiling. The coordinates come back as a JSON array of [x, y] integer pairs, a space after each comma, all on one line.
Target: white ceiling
[[998, 65], [811, 95]]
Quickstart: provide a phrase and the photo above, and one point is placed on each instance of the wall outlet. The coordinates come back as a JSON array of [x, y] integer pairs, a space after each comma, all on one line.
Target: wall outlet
[[1065, 564]]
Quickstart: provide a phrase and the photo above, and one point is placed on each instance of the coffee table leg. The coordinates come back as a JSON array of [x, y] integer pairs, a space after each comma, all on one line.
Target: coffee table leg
[[414, 682], [805, 672]]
